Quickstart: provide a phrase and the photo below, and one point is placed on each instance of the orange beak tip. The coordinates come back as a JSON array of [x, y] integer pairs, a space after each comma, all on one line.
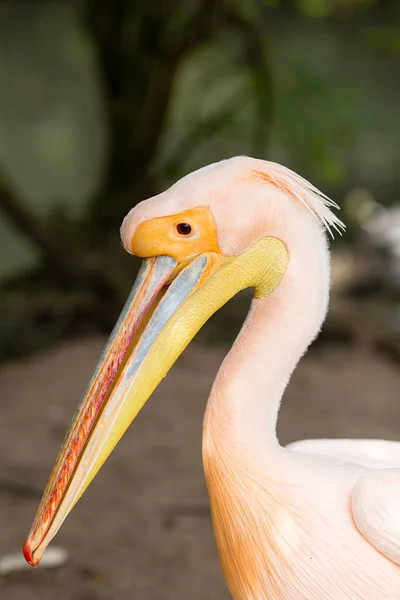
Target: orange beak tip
[[28, 554]]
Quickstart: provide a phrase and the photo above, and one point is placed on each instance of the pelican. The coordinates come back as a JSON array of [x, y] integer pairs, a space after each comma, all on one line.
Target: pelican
[[317, 520]]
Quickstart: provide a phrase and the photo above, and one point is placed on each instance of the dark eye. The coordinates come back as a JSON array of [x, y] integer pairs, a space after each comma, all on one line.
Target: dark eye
[[184, 228]]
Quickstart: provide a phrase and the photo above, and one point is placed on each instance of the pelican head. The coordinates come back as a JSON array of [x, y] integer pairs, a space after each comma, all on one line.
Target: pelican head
[[229, 226]]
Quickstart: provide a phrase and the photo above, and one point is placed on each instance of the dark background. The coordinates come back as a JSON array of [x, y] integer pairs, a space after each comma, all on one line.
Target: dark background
[[105, 103]]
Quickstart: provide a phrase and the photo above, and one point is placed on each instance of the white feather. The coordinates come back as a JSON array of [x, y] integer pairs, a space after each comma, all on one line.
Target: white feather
[[313, 199]]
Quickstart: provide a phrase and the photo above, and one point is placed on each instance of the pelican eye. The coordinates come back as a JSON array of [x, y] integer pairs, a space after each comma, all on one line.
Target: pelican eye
[[184, 229]]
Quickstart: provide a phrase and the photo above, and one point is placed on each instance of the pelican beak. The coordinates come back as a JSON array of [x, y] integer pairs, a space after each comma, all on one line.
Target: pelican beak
[[143, 346], [169, 303]]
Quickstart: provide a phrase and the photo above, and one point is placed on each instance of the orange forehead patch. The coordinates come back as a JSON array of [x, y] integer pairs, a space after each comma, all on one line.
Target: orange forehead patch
[[181, 236]]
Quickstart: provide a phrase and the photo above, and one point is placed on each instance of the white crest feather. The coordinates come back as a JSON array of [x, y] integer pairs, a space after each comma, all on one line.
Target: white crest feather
[[304, 191]]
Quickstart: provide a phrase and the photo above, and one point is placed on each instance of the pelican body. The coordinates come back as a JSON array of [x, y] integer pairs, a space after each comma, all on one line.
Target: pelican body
[[318, 520]]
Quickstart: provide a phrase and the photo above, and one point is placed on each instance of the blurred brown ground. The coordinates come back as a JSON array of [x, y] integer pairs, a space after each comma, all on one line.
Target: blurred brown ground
[[142, 530]]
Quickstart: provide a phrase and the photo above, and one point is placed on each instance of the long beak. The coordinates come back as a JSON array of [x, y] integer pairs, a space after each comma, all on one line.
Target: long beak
[[124, 378], [168, 305]]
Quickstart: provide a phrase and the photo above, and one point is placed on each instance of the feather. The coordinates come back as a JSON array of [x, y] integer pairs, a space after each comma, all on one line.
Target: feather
[[302, 190]]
